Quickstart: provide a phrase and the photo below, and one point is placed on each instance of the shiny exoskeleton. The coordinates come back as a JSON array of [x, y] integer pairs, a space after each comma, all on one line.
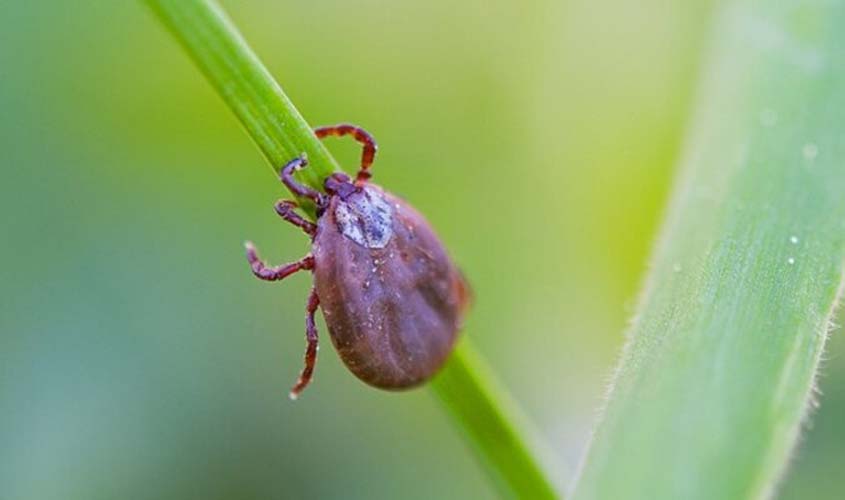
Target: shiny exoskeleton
[[391, 297]]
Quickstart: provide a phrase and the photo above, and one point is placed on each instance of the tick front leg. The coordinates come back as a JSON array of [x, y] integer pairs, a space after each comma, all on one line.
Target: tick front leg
[[360, 135], [311, 349], [286, 209], [262, 271], [299, 189]]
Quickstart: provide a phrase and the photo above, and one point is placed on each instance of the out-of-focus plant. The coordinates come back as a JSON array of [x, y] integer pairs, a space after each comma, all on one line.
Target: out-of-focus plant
[[719, 367]]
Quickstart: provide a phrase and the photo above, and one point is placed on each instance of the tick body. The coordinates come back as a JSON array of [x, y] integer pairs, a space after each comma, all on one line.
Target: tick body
[[392, 299]]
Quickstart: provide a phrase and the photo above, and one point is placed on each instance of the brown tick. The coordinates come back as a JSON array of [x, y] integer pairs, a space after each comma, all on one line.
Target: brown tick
[[392, 298]]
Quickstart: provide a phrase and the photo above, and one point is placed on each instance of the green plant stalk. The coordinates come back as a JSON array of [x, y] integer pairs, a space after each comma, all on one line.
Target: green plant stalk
[[249, 90], [469, 391], [718, 371], [496, 428]]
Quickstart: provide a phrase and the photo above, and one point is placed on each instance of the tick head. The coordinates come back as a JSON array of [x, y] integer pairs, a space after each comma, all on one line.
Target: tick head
[[339, 184]]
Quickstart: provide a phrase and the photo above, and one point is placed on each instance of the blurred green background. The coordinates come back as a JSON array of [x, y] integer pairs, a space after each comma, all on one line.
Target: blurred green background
[[139, 358]]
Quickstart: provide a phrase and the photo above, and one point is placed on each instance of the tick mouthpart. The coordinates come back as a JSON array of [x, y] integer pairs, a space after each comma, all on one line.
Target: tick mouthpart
[[339, 184]]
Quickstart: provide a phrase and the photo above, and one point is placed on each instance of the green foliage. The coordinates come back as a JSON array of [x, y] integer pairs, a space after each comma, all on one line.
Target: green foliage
[[493, 424], [470, 393], [720, 363], [249, 90]]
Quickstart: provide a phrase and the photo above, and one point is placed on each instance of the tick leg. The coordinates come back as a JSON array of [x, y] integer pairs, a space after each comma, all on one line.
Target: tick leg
[[262, 271], [360, 135], [311, 349], [299, 189], [285, 208]]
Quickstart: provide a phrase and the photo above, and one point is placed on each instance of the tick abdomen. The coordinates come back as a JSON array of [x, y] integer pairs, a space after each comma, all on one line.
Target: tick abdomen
[[392, 300]]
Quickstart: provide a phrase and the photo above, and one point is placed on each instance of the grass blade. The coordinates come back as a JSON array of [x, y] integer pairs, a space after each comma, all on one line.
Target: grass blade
[[719, 367], [249, 90], [493, 425], [473, 398]]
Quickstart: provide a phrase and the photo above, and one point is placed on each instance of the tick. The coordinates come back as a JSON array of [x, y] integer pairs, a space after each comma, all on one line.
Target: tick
[[392, 299]]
